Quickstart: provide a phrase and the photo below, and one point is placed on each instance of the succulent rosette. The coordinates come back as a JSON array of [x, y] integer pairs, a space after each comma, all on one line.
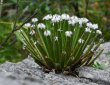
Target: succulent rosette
[[62, 42]]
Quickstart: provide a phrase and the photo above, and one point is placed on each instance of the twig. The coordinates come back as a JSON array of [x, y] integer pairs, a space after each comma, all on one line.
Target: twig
[[86, 8], [25, 21], [1, 3], [15, 28], [76, 7], [13, 41]]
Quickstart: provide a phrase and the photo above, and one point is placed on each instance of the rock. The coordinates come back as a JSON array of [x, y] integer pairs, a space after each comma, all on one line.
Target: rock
[[104, 58], [27, 72], [96, 75]]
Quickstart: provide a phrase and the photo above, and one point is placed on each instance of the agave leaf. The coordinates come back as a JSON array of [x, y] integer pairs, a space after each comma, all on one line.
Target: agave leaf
[[43, 40], [58, 66], [49, 44], [97, 46], [98, 54], [68, 48], [69, 62], [80, 50], [34, 50], [50, 63], [29, 44], [88, 49], [87, 58], [74, 51], [75, 36], [87, 41], [56, 51], [41, 49], [77, 57], [62, 59], [59, 45]]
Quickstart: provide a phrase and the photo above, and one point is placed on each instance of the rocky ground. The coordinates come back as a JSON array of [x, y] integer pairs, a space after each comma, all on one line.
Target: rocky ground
[[27, 72]]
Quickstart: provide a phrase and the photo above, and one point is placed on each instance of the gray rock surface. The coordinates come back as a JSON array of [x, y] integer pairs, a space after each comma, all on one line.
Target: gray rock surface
[[96, 75], [105, 57], [27, 72]]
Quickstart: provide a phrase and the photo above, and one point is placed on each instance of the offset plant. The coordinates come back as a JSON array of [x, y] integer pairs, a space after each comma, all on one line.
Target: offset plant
[[62, 42]]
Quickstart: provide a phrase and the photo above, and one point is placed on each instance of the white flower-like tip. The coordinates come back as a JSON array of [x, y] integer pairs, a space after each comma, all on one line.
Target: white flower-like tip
[[93, 26], [89, 25], [29, 55], [35, 43], [71, 22], [56, 18], [32, 32], [98, 32], [47, 33], [19, 30], [47, 17], [59, 30], [102, 40], [24, 47], [56, 38], [41, 26], [65, 16], [27, 25], [68, 33], [87, 29], [34, 20], [33, 26], [81, 40], [74, 18], [82, 20]]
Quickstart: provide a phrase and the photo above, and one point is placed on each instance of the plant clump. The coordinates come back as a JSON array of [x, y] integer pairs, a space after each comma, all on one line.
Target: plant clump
[[61, 42]]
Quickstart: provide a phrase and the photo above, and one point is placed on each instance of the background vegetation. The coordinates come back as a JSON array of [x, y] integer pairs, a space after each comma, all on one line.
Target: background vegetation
[[96, 11]]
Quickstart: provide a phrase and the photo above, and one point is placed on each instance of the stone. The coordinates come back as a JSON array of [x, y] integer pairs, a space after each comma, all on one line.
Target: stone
[[27, 72], [96, 75]]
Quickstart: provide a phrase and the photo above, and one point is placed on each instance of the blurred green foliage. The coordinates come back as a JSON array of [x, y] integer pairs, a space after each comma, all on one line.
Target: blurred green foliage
[[98, 11], [9, 51]]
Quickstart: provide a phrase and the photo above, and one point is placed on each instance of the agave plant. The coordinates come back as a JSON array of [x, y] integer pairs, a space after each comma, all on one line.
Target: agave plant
[[61, 42]]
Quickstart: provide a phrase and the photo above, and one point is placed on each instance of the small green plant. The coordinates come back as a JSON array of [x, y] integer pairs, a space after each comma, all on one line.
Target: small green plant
[[100, 65], [61, 42]]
